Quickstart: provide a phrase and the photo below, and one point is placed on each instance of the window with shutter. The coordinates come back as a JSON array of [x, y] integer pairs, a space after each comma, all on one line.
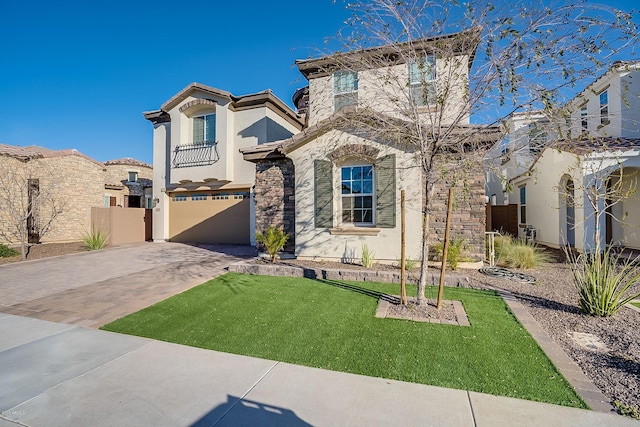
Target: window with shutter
[[385, 178], [323, 193]]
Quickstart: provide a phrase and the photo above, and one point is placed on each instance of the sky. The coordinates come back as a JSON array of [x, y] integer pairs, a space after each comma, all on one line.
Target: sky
[[79, 74]]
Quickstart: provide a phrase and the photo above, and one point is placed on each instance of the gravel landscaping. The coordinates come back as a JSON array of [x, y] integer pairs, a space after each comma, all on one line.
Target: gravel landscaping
[[553, 302], [46, 250]]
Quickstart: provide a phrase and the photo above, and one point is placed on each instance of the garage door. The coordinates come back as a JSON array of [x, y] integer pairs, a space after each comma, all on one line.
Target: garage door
[[209, 217]]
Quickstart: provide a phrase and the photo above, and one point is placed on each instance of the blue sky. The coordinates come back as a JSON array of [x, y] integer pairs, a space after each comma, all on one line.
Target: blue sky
[[79, 74]]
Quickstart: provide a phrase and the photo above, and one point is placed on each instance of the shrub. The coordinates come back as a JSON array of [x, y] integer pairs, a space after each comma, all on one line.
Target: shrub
[[273, 240], [368, 256], [95, 239], [524, 255], [454, 251], [602, 281], [6, 252], [516, 253]]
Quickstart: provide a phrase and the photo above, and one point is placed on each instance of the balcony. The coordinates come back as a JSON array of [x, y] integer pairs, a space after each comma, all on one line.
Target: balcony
[[198, 154]]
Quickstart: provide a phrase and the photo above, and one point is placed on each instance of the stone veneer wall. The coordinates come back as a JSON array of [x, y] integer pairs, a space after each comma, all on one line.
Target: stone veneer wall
[[274, 196], [118, 174], [76, 183], [469, 217]]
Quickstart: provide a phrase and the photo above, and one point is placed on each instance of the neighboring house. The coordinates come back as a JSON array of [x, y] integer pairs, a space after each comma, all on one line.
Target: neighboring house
[[595, 148], [128, 183], [203, 186], [335, 188], [41, 180]]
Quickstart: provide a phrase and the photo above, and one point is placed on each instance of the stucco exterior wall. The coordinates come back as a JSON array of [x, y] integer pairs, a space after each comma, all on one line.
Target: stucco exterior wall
[[314, 242], [386, 90], [544, 205]]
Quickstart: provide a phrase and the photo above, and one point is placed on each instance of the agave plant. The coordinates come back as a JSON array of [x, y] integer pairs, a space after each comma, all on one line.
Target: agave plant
[[603, 281]]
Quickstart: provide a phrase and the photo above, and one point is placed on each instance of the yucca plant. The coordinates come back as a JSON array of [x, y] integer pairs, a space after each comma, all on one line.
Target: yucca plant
[[603, 281], [368, 256], [95, 239], [273, 240]]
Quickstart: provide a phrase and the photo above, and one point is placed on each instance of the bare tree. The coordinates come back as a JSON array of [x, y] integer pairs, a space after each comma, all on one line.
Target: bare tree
[[434, 65], [29, 202]]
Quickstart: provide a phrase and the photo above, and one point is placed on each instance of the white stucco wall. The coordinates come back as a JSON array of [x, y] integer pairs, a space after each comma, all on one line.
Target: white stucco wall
[[543, 205], [161, 142], [318, 242]]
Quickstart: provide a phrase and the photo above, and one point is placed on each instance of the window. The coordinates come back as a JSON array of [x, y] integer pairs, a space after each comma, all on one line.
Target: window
[[357, 195], [422, 80], [241, 195], [345, 89], [220, 196], [179, 198], [523, 205], [584, 123], [537, 137], [133, 176], [195, 197], [107, 199], [604, 108], [204, 129]]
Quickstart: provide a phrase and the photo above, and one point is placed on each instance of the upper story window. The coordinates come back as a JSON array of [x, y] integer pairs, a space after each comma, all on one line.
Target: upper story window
[[357, 195], [537, 137], [604, 107], [345, 89], [422, 80], [204, 129], [584, 122], [133, 176]]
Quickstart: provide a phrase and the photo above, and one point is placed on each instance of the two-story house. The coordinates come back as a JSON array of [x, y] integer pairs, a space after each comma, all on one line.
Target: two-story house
[[336, 186], [202, 187], [589, 167]]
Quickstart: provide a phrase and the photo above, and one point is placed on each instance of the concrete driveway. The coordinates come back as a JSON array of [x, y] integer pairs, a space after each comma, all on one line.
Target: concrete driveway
[[94, 288]]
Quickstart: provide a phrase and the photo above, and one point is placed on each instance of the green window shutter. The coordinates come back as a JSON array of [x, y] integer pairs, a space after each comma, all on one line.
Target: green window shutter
[[385, 175], [323, 193]]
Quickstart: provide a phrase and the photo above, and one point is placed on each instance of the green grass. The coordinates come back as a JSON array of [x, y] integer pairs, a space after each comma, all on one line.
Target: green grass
[[637, 304], [324, 325]]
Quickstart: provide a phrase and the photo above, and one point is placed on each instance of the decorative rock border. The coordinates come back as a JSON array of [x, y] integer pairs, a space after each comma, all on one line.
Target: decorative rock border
[[461, 314], [452, 279]]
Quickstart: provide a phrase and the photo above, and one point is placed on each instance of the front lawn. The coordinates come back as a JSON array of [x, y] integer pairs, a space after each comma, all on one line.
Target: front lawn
[[325, 325]]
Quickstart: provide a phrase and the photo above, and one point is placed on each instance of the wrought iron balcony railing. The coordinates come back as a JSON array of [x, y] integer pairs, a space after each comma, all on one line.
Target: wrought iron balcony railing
[[196, 154]]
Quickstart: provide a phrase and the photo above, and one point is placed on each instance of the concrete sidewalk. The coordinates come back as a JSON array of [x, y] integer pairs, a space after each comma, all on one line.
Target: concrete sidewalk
[[54, 374]]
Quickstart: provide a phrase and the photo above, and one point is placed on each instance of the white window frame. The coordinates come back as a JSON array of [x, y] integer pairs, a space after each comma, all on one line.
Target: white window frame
[[423, 77], [341, 92], [584, 118], [522, 215], [604, 107], [352, 196], [205, 138], [135, 176]]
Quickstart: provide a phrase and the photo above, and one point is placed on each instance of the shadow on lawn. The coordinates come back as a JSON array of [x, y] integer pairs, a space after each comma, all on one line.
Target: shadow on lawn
[[364, 291]]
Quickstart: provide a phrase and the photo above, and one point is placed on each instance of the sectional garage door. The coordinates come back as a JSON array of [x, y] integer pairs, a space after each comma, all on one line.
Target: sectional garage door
[[209, 217]]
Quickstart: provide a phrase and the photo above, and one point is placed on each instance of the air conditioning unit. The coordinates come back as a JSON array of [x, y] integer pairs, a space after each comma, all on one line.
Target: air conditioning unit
[[530, 234]]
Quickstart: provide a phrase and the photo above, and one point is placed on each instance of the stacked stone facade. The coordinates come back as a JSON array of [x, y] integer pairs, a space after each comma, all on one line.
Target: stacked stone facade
[[72, 181], [275, 197], [468, 217], [117, 182]]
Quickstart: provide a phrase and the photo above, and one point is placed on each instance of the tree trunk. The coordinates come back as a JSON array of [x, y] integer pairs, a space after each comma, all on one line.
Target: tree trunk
[[422, 284]]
